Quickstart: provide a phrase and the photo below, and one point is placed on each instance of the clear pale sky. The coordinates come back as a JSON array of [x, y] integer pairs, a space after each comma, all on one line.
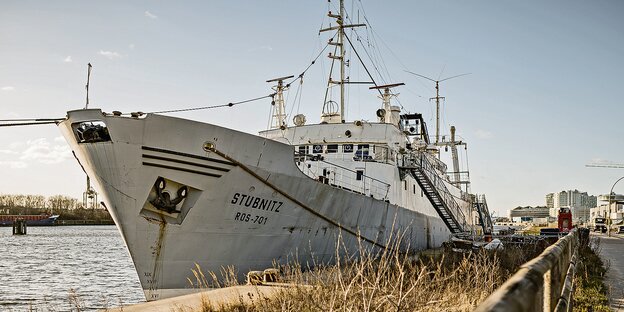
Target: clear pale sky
[[544, 97]]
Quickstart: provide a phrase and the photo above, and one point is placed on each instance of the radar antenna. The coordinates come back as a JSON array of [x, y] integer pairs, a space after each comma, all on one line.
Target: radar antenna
[[437, 98]]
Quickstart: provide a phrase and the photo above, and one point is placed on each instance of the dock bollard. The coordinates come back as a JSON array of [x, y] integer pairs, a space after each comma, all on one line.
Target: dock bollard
[[254, 278], [19, 227], [263, 277]]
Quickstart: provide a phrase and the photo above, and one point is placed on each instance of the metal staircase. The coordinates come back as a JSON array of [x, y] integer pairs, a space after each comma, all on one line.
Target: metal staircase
[[480, 204], [438, 194]]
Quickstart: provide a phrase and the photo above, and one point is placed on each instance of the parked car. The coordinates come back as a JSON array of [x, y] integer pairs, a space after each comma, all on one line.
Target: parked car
[[620, 229]]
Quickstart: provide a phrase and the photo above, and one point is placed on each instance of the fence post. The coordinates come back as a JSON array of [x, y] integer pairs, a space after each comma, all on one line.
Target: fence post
[[548, 279]]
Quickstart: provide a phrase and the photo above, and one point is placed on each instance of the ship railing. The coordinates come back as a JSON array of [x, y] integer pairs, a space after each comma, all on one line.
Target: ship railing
[[422, 160], [342, 177], [459, 177]]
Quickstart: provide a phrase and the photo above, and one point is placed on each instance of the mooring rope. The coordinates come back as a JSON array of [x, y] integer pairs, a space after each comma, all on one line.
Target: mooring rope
[[213, 106], [17, 124]]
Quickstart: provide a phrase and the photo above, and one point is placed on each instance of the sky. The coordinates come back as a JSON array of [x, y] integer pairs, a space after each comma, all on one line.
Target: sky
[[543, 98]]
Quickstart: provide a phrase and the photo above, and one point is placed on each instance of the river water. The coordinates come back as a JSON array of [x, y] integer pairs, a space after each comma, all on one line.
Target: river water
[[66, 268]]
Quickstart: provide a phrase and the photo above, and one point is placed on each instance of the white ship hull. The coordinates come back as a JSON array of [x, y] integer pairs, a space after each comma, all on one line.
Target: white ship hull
[[246, 204]]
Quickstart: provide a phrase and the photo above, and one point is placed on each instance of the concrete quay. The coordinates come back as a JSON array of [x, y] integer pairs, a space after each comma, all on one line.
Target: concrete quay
[[214, 298]]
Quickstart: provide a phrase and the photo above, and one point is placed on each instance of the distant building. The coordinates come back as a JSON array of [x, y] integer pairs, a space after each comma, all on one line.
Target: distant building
[[550, 203], [578, 202], [537, 215], [616, 207]]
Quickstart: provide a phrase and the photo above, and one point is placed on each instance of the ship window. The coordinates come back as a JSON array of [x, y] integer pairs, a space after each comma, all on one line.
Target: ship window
[[91, 132], [303, 150], [359, 174], [414, 187], [332, 148], [347, 148], [405, 184], [317, 148], [362, 152], [301, 153]]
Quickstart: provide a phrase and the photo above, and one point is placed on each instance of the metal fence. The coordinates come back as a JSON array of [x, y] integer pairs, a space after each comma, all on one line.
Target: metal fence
[[542, 284]]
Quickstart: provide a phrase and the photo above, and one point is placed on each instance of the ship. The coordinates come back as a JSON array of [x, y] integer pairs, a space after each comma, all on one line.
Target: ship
[[187, 194], [41, 219]]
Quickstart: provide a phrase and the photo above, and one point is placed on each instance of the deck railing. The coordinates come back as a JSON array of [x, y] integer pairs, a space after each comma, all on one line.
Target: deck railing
[[342, 177]]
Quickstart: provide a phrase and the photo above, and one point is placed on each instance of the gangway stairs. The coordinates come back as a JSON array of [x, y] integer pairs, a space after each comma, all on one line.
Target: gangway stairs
[[439, 196], [480, 204]]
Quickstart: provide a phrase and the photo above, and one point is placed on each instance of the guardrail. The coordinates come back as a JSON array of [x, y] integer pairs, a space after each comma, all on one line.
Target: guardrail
[[542, 284]]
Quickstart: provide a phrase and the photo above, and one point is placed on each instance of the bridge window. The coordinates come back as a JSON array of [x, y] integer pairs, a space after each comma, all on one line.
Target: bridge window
[[317, 148], [362, 152], [332, 148], [347, 148], [304, 150]]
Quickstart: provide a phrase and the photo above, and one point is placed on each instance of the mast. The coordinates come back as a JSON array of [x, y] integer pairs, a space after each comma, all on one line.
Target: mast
[[279, 116], [437, 98], [454, 156], [341, 50], [87, 86]]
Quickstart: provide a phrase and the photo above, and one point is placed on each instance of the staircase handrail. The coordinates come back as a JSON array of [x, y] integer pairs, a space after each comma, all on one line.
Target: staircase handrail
[[486, 212], [445, 194]]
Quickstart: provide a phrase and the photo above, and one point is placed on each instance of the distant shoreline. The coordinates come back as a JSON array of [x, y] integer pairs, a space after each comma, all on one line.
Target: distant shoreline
[[72, 222], [83, 222]]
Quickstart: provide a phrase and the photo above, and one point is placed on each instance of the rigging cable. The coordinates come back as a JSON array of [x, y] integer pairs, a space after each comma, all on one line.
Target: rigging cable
[[362, 62], [272, 95], [213, 106]]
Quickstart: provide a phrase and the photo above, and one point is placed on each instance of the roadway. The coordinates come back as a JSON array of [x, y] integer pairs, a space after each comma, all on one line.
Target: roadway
[[612, 253]]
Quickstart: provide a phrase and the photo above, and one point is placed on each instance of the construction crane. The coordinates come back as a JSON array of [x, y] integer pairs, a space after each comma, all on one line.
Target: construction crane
[[605, 165]]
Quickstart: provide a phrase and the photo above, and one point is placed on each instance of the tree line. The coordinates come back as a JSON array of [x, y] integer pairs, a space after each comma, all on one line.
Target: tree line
[[67, 207], [55, 202]]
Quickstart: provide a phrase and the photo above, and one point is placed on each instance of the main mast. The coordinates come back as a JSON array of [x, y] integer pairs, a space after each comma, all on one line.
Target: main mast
[[341, 56]]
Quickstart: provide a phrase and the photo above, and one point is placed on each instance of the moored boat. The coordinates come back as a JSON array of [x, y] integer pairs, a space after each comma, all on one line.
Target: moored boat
[[41, 219]]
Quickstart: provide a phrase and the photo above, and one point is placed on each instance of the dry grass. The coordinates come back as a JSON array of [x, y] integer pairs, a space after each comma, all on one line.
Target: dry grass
[[388, 280]]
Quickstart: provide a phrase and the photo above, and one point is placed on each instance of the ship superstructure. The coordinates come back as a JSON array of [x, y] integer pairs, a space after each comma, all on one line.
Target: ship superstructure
[[186, 193]]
